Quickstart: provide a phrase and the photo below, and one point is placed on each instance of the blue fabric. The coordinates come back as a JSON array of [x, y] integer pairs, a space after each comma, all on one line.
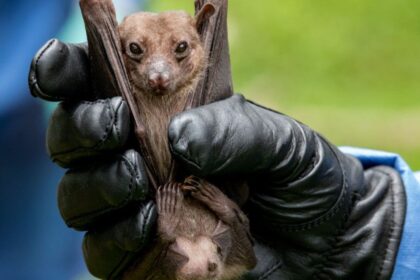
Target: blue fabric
[[417, 174], [408, 260], [24, 26], [34, 241]]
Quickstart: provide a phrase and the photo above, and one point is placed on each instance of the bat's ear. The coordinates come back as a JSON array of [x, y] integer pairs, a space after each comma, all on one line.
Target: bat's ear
[[204, 15], [175, 258], [222, 237]]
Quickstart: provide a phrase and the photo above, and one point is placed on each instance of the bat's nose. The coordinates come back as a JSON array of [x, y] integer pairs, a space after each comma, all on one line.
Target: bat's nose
[[158, 81], [159, 74]]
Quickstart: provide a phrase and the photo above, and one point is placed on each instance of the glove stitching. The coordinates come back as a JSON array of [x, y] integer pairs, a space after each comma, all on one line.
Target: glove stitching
[[143, 228], [43, 51], [391, 230], [128, 256], [135, 175], [101, 142], [342, 231], [34, 82], [107, 133], [99, 212], [100, 101], [115, 123], [276, 266], [325, 257], [108, 129]]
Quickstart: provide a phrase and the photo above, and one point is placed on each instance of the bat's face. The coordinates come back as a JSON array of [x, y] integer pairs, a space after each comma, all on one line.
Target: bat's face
[[162, 52], [200, 259]]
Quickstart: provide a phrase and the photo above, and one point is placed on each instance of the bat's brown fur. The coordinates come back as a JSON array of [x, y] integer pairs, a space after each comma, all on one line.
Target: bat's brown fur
[[159, 35], [192, 228], [202, 236]]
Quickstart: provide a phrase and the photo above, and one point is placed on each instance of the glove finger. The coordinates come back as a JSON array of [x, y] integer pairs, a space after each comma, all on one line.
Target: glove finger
[[79, 131], [108, 252], [217, 139], [91, 195], [60, 71], [237, 137]]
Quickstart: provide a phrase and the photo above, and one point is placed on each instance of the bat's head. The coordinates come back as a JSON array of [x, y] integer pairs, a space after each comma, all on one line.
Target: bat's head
[[198, 259], [163, 52]]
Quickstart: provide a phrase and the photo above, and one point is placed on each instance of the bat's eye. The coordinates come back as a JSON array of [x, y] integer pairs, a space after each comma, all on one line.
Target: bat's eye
[[212, 266], [181, 48], [136, 49]]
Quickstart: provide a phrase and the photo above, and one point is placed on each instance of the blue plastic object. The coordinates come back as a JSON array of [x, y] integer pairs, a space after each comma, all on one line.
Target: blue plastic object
[[408, 260]]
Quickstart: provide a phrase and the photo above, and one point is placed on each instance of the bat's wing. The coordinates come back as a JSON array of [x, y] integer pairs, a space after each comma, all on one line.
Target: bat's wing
[[216, 84], [107, 64], [110, 77]]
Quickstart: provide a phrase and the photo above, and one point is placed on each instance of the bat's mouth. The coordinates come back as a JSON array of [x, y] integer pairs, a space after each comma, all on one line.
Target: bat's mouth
[[159, 91]]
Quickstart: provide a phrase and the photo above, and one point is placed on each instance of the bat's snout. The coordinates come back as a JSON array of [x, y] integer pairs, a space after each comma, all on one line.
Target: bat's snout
[[158, 82], [159, 76]]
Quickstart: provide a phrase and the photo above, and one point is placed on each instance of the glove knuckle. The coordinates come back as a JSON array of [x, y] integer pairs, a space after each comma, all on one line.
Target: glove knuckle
[[81, 130]]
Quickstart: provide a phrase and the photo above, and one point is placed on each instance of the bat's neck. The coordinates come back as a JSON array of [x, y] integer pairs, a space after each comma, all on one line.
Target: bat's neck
[[156, 113]]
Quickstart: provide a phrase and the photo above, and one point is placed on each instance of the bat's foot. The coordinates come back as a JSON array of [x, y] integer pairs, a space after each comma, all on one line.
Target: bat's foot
[[193, 183], [212, 197], [169, 199]]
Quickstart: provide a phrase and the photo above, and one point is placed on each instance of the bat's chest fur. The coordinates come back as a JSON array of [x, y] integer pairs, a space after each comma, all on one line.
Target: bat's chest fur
[[156, 113], [196, 220]]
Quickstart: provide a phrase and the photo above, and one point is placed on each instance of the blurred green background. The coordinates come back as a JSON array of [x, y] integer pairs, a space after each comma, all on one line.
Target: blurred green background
[[349, 69]]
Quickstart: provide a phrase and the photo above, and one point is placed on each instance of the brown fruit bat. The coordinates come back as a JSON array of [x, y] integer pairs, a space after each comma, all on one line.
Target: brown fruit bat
[[203, 235], [158, 63]]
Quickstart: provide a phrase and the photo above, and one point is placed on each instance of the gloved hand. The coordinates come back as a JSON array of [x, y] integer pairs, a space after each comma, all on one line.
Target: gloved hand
[[322, 216], [313, 210], [105, 188]]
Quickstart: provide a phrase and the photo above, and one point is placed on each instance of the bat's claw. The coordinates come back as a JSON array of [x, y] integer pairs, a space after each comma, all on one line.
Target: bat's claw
[[192, 183], [192, 180], [169, 198]]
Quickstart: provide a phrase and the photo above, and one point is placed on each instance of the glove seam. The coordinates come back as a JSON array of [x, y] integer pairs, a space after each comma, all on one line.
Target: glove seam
[[384, 251], [99, 212], [319, 269], [143, 228], [133, 173], [115, 123], [108, 128], [115, 273], [391, 229], [101, 142], [34, 83]]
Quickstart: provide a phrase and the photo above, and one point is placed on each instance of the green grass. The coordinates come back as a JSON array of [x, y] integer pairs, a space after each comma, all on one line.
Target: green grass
[[349, 69]]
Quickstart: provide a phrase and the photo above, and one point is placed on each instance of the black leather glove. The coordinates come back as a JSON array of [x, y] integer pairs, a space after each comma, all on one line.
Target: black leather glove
[[315, 213], [320, 214], [105, 188]]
